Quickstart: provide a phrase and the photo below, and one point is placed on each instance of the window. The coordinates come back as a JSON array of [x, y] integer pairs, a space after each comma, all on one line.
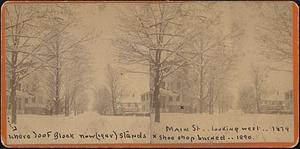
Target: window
[[151, 102], [9, 106], [9, 83], [150, 96], [178, 85], [289, 95], [167, 86], [26, 100], [33, 100], [143, 97], [163, 85], [170, 98], [286, 95], [19, 87], [163, 99], [26, 87], [19, 106], [178, 98], [172, 86]]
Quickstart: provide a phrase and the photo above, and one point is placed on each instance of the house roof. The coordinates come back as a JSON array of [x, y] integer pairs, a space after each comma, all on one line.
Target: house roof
[[20, 94], [131, 99], [165, 92], [168, 92], [275, 96]]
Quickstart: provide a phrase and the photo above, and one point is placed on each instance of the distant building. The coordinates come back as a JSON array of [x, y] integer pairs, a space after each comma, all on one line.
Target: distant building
[[129, 104], [289, 99], [23, 100], [278, 103], [27, 103], [175, 94], [169, 102]]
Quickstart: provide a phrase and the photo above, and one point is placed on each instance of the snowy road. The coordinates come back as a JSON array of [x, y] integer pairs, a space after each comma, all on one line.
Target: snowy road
[[86, 124]]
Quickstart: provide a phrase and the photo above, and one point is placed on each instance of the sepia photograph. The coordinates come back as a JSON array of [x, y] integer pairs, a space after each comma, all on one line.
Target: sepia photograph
[[195, 72]]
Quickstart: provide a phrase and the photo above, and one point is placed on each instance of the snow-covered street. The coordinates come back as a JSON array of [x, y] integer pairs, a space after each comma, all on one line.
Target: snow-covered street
[[88, 123]]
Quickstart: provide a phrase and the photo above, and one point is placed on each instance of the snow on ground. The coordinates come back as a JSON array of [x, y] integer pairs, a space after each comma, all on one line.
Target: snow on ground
[[87, 123], [261, 127], [109, 128]]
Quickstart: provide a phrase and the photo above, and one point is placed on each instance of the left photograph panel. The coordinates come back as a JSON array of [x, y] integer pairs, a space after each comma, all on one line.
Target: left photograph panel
[[64, 83]]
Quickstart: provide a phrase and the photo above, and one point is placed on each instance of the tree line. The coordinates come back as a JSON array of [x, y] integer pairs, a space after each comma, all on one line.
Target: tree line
[[169, 37], [41, 49]]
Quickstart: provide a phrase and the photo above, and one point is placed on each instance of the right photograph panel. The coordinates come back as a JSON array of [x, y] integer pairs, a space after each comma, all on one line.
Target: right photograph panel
[[221, 72]]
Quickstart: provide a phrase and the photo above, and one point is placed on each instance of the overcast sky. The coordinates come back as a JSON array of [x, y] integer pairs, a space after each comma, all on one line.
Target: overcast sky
[[102, 20]]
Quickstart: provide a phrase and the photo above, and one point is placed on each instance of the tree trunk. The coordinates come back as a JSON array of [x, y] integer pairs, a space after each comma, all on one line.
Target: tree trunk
[[211, 98], [113, 104], [57, 84], [67, 106], [157, 86], [257, 98], [75, 108], [257, 85], [13, 92], [56, 104], [201, 102], [257, 105], [156, 96], [13, 97], [57, 101]]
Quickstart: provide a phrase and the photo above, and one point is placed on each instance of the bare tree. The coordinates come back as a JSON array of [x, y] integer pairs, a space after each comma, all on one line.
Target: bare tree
[[259, 76], [224, 101], [168, 38], [153, 34], [102, 104], [276, 34], [215, 56], [220, 69], [57, 52], [77, 78], [113, 82], [247, 102], [58, 67], [26, 29]]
